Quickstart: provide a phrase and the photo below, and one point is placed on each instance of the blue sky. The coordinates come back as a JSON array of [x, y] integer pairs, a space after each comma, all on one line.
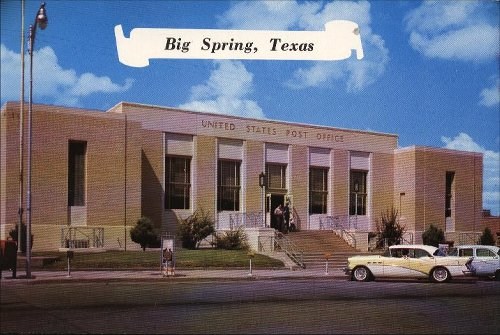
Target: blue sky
[[430, 72]]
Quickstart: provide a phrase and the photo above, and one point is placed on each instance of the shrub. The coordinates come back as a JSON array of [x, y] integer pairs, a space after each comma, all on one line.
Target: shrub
[[195, 229], [144, 233], [487, 237], [232, 240], [433, 236], [389, 228], [14, 235]]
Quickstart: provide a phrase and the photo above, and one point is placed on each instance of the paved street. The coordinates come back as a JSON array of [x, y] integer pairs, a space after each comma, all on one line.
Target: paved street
[[244, 304]]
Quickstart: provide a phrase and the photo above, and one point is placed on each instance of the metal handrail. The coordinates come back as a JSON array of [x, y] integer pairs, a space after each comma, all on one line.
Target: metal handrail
[[406, 240], [265, 244], [71, 235], [383, 243], [335, 224], [284, 243], [469, 238], [248, 220], [347, 236]]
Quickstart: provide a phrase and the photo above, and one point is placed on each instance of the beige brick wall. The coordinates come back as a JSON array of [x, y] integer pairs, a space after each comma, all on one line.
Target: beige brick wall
[[340, 185], [468, 194], [255, 165], [9, 168], [299, 181], [382, 176], [53, 128], [418, 172], [421, 174], [404, 182], [152, 156], [206, 167]]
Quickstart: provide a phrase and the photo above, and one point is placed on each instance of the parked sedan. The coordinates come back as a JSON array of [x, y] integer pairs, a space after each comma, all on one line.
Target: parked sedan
[[406, 261], [484, 262]]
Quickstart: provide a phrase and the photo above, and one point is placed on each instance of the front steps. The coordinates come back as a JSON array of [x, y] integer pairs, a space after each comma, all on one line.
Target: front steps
[[317, 245]]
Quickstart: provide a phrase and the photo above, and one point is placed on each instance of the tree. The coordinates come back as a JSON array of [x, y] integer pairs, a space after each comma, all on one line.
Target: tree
[[144, 233], [389, 228], [433, 236], [487, 237], [195, 229]]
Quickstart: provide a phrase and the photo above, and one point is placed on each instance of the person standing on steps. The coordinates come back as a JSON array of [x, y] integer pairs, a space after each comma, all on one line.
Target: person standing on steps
[[286, 218], [278, 213]]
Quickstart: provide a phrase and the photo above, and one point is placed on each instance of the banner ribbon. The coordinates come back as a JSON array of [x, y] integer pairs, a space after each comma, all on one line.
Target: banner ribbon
[[336, 42]]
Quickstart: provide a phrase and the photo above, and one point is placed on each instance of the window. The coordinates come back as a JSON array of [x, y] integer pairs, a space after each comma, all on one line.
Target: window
[[358, 193], [466, 253], [450, 176], [318, 190], [177, 182], [228, 182], [484, 253], [276, 177], [77, 152], [420, 253], [399, 253]]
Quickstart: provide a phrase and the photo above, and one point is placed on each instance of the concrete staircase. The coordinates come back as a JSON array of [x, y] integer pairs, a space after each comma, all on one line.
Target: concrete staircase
[[317, 244]]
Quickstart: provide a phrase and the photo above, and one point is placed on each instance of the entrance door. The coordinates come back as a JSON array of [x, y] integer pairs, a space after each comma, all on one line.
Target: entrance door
[[273, 200]]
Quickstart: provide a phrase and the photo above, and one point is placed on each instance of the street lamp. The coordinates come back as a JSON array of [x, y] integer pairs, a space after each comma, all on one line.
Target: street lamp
[[262, 184], [41, 21]]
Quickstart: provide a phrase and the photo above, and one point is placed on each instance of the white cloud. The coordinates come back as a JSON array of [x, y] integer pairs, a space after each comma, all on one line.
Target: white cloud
[[10, 78], [62, 86], [461, 30], [289, 15], [356, 74], [265, 15], [225, 92], [490, 96], [491, 168], [89, 83]]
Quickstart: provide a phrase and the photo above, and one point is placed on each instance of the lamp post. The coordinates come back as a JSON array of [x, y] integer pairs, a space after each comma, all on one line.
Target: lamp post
[[262, 184], [40, 20], [21, 140]]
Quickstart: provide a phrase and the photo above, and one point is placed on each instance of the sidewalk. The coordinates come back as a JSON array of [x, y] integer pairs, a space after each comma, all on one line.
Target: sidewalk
[[180, 275]]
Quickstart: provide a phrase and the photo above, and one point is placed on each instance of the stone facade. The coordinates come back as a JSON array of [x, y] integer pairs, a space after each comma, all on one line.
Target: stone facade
[[125, 173]]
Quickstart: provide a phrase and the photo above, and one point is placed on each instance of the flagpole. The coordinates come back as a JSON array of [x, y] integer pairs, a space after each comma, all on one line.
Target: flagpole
[[21, 137]]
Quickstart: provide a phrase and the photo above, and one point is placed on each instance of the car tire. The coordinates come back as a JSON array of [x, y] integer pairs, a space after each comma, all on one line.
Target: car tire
[[497, 275], [361, 273], [440, 275]]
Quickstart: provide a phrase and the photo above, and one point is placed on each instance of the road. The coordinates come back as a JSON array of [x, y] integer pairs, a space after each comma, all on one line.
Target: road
[[252, 306]]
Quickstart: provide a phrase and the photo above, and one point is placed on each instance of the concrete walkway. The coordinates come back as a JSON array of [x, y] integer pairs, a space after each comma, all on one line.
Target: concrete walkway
[[180, 275]]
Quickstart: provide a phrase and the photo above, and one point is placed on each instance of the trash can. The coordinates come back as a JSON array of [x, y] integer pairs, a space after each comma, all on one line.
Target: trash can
[[8, 256]]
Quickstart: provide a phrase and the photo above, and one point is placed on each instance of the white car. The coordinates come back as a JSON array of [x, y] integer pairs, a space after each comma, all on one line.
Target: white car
[[484, 262], [407, 261]]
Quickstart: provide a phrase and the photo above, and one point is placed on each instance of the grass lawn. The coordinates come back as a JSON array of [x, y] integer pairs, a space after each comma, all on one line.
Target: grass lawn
[[150, 259]]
